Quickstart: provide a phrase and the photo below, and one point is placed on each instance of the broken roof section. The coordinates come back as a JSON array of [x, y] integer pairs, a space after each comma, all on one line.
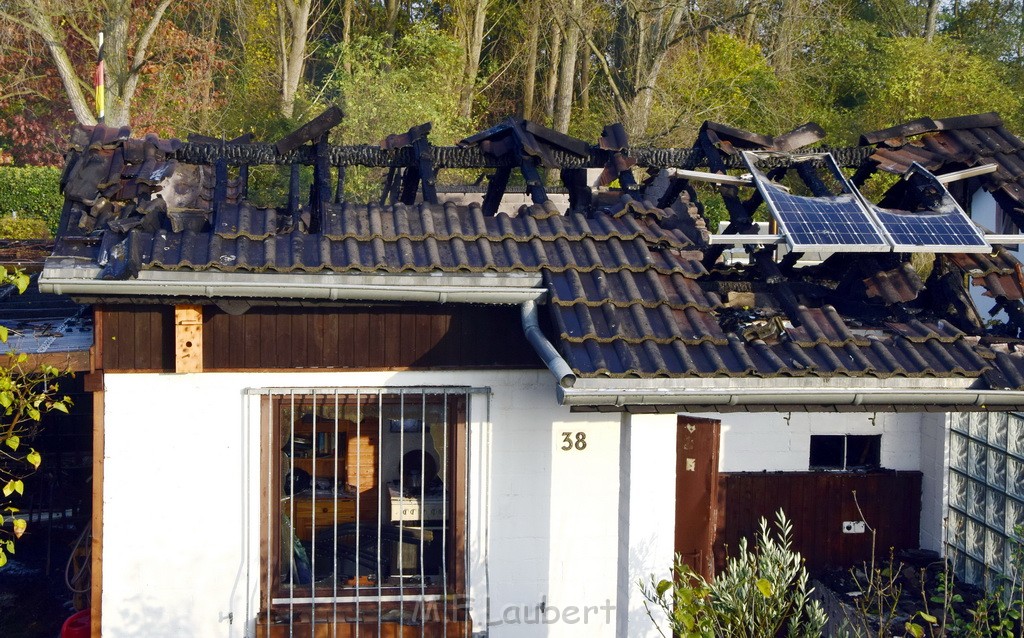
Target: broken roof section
[[640, 306]]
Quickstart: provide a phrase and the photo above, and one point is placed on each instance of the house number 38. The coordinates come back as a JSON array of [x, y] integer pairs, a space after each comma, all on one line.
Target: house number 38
[[574, 440]]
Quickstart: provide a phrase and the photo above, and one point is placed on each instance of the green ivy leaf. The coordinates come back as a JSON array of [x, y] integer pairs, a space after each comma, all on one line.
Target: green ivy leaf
[[34, 458], [21, 281], [914, 629], [9, 488], [13, 441], [10, 546], [19, 486], [60, 407], [663, 587]]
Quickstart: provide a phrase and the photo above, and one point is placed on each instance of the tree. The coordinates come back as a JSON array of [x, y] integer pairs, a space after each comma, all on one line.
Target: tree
[[570, 9], [723, 79], [63, 26], [293, 19], [25, 395], [644, 31], [867, 82], [470, 20]]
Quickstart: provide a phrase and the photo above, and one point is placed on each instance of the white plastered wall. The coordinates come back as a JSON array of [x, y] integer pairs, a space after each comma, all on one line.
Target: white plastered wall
[[781, 441], [935, 480], [181, 521], [647, 510]]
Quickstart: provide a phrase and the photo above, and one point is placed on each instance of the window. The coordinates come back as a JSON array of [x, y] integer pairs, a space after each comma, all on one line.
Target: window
[[845, 451], [365, 494]]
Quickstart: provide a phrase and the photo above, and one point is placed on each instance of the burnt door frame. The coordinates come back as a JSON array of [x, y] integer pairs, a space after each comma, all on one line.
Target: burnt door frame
[[697, 444]]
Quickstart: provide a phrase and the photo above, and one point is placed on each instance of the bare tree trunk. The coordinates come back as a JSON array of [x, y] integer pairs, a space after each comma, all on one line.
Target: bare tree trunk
[[472, 21], [931, 20], [292, 32], [346, 32], [750, 22], [554, 54], [585, 80], [530, 76], [786, 35], [567, 69], [391, 7], [124, 72], [640, 106]]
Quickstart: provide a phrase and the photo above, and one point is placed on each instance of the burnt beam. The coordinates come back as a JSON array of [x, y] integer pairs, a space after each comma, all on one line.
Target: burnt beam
[[293, 192], [425, 169], [220, 184], [534, 183], [575, 180], [311, 130], [496, 190], [339, 191], [321, 188]]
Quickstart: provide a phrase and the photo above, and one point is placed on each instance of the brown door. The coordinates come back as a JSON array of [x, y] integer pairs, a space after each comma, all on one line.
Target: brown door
[[696, 491]]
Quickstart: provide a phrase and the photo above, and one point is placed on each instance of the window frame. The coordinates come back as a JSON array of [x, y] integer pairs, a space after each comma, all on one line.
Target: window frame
[[876, 441], [364, 603]]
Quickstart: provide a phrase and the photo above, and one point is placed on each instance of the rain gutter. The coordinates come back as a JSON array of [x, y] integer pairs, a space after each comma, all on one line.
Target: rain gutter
[[547, 352], [447, 288], [855, 398]]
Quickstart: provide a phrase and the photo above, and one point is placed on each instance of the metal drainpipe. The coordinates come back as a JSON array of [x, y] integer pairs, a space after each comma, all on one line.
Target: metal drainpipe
[[547, 352]]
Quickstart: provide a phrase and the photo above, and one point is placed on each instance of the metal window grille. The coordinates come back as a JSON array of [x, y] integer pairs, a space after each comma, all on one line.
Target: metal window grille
[[366, 494]]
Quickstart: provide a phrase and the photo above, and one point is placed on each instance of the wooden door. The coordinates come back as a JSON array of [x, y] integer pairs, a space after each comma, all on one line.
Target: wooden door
[[696, 491]]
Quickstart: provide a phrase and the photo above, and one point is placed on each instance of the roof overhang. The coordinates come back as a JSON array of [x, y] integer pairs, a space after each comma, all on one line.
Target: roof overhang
[[791, 394], [81, 281]]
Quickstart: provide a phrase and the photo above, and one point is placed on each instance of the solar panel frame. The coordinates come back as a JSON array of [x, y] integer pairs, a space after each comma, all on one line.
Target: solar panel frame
[[947, 230], [839, 223]]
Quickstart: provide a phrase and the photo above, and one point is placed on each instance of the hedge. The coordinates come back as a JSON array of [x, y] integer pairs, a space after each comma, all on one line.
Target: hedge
[[31, 192]]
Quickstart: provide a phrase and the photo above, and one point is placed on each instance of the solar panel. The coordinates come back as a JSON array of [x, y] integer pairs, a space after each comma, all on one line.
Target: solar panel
[[839, 222], [940, 225], [847, 221]]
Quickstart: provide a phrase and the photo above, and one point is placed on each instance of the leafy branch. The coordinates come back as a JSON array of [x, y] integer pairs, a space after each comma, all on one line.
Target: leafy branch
[[26, 394]]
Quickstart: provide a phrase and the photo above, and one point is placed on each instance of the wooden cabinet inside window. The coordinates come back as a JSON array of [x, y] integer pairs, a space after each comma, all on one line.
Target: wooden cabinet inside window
[[330, 465]]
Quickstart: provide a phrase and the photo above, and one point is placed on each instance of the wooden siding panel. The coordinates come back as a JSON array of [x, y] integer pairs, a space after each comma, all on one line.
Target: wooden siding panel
[[817, 503], [142, 338], [139, 337], [421, 337], [332, 337]]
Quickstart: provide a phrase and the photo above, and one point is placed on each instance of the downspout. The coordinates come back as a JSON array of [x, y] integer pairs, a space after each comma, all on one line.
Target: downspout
[[547, 352]]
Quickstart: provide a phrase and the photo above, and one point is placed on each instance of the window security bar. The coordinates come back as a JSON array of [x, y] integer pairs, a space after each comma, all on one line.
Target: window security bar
[[367, 510]]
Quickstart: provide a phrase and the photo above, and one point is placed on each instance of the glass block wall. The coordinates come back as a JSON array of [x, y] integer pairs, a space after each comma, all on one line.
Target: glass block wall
[[986, 492]]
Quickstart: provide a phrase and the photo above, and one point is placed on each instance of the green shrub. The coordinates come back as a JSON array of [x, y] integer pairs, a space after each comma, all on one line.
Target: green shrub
[[761, 593], [31, 192], [23, 228]]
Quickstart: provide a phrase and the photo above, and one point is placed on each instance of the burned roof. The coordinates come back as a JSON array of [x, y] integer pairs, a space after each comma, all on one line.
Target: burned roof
[[48, 328], [630, 285]]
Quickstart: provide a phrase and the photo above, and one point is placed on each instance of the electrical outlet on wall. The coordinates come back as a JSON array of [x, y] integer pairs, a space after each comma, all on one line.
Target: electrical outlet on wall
[[854, 527]]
